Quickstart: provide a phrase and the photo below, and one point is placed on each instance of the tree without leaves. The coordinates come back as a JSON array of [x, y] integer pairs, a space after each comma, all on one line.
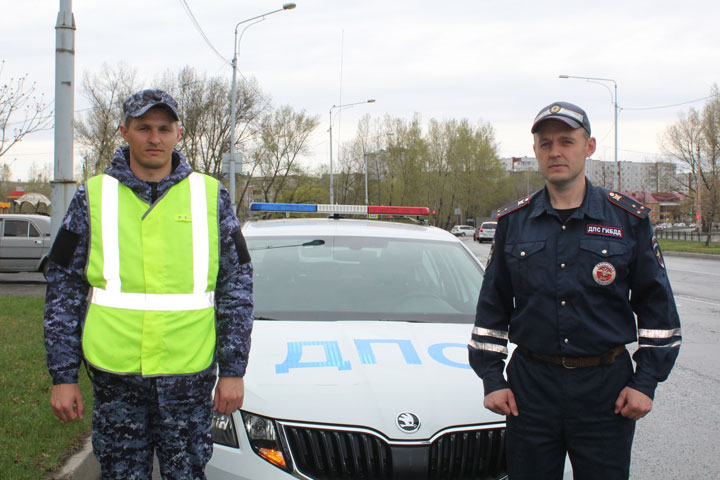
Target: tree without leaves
[[21, 112], [97, 134], [205, 112], [283, 138], [695, 140]]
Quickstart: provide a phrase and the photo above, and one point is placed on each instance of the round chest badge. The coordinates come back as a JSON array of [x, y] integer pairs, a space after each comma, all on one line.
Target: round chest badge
[[408, 422], [603, 273]]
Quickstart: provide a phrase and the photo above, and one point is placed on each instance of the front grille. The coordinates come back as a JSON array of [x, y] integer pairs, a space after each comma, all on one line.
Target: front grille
[[328, 454], [472, 455], [335, 454]]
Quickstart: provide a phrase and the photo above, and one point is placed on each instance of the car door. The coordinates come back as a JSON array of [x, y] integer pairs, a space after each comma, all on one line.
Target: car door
[[22, 246]]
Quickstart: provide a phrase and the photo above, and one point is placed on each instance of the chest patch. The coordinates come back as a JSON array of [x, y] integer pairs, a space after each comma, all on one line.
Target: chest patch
[[604, 273], [616, 232]]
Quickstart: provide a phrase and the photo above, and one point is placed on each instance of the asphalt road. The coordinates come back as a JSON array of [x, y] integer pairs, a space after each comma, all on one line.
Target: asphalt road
[[680, 438]]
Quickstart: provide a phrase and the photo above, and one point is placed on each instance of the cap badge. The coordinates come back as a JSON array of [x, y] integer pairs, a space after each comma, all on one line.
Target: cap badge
[[604, 273], [555, 109]]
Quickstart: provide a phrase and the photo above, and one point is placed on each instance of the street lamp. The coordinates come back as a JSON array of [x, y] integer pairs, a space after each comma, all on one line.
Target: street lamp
[[616, 177], [346, 105], [233, 105]]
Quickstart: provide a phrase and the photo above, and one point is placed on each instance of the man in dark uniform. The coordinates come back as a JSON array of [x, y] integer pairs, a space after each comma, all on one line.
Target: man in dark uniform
[[575, 273]]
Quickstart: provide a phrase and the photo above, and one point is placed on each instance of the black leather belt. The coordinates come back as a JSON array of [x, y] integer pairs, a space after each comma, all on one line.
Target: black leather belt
[[607, 358]]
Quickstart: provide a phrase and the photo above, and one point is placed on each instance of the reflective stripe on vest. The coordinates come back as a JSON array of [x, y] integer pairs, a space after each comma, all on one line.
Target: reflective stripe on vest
[[152, 307]]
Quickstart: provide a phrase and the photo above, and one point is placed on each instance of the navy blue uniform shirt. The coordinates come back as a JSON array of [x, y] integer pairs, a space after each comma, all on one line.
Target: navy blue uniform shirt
[[576, 289]]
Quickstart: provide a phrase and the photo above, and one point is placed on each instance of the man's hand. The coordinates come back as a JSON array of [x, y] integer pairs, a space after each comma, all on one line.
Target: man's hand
[[502, 402], [229, 395], [633, 404], [66, 402]]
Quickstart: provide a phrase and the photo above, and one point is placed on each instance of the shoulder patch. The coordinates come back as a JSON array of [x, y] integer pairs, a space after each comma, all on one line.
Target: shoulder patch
[[511, 207], [629, 204]]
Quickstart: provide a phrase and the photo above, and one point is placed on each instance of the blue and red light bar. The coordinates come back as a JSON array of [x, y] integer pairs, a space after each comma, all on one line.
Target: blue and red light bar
[[338, 209]]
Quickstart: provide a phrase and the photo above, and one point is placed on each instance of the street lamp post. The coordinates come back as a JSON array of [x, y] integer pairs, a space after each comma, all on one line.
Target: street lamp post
[[332, 181], [616, 177], [233, 105]]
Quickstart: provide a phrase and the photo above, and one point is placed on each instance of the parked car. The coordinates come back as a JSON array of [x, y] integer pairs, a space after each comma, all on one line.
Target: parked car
[[358, 367], [25, 242], [462, 230], [486, 231]]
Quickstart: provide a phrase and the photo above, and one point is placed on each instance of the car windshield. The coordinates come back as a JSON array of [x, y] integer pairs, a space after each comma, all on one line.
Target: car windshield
[[363, 278], [490, 225]]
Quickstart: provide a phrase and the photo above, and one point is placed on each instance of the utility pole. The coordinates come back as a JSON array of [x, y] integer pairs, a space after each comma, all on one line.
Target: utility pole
[[63, 185]]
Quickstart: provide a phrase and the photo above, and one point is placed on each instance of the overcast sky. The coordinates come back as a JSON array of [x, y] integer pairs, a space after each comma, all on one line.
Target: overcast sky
[[489, 61]]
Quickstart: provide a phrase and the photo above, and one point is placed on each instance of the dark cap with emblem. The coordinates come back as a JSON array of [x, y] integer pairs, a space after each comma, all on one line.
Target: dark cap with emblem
[[139, 103], [568, 113]]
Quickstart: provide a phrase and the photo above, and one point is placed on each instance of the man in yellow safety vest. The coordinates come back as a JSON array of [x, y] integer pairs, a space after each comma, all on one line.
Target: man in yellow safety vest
[[150, 283]]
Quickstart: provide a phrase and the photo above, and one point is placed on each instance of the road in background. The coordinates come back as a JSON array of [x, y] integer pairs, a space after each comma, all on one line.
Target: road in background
[[679, 438], [22, 285]]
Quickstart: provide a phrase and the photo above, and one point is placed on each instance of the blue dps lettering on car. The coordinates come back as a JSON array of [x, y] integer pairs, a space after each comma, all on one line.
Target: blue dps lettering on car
[[358, 367], [333, 355]]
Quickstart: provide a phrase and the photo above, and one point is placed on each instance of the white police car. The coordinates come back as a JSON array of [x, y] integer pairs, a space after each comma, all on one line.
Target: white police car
[[358, 367]]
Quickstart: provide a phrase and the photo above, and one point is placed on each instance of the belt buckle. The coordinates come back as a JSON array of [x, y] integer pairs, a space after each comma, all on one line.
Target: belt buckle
[[566, 365]]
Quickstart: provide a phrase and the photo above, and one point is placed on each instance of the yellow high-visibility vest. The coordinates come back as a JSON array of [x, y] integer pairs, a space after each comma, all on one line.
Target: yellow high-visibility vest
[[153, 271]]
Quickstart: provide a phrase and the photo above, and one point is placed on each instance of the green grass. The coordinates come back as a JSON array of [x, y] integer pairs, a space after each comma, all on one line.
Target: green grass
[[32, 440], [670, 245]]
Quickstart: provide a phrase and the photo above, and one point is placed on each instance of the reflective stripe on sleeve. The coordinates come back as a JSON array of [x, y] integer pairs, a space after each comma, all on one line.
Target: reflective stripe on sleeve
[[670, 345], [154, 302], [647, 333], [484, 332], [198, 209], [488, 347]]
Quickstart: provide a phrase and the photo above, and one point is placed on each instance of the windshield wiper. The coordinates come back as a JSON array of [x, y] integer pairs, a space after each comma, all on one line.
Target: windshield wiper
[[260, 317], [311, 243]]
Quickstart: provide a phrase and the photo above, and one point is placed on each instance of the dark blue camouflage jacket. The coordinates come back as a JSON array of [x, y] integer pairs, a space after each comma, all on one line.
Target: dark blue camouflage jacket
[[66, 299]]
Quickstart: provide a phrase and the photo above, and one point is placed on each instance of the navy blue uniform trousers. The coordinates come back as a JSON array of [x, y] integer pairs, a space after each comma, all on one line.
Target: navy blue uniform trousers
[[568, 410], [134, 417]]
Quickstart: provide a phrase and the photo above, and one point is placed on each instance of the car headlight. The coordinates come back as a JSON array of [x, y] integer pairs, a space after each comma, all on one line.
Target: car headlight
[[223, 430], [264, 439]]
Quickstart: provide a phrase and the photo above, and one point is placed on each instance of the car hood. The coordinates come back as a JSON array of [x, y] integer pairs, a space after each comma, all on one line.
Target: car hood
[[365, 374]]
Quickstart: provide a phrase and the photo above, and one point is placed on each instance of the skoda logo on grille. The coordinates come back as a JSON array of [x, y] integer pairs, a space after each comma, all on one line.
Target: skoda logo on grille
[[408, 422]]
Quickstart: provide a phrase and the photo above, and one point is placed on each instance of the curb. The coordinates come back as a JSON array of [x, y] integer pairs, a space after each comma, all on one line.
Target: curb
[[81, 466], [708, 256]]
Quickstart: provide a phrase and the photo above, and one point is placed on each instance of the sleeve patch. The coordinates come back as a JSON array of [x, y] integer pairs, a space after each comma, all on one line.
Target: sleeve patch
[[658, 253], [64, 247], [241, 247]]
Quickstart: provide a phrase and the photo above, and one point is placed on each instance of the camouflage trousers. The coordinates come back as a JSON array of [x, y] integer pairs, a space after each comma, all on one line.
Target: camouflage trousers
[[135, 417]]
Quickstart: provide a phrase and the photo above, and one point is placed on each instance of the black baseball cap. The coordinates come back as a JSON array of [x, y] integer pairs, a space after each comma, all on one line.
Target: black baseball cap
[[137, 104], [568, 113]]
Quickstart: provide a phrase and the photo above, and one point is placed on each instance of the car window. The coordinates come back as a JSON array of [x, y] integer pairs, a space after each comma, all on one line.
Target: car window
[[16, 228], [490, 225], [34, 232], [368, 278]]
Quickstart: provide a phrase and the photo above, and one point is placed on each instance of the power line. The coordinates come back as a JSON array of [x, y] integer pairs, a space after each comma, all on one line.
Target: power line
[[670, 106], [197, 26]]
